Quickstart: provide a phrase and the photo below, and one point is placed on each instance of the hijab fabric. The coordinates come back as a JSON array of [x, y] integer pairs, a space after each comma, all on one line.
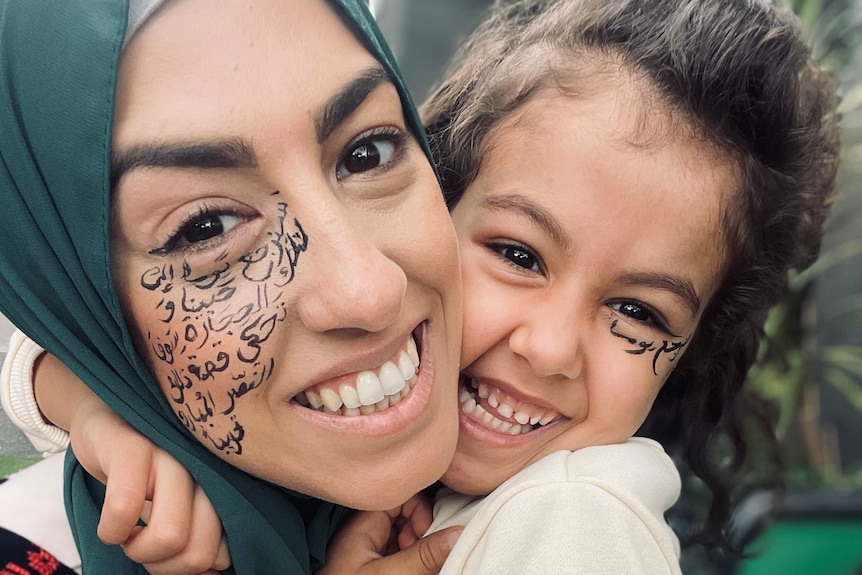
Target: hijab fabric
[[58, 66]]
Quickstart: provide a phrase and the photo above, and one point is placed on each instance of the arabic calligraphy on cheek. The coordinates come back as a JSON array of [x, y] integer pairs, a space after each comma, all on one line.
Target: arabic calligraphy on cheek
[[670, 348], [213, 345]]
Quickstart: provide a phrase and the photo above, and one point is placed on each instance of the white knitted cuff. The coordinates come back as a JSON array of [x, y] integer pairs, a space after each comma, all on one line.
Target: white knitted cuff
[[19, 400]]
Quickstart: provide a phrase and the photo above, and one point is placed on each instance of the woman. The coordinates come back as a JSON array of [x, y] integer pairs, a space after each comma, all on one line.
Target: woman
[[337, 254]]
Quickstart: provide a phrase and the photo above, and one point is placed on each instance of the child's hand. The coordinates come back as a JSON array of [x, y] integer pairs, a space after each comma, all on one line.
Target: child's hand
[[369, 542], [183, 535]]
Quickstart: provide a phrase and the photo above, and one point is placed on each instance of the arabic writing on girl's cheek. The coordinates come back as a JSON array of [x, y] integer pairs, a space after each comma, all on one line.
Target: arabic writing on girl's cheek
[[670, 348], [205, 375]]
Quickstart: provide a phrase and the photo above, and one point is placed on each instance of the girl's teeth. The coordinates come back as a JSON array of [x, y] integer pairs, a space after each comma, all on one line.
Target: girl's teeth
[[367, 409], [505, 410], [351, 412], [383, 403], [495, 416]]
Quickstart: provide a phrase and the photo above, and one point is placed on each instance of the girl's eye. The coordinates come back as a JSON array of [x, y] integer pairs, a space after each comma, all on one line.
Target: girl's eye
[[370, 152], [639, 313], [200, 229], [519, 256]]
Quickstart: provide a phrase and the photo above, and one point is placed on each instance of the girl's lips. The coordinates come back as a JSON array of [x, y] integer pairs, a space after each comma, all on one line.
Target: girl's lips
[[504, 406], [488, 411]]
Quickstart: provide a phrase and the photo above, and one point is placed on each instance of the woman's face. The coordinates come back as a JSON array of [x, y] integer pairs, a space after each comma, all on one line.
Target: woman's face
[[282, 251], [590, 245]]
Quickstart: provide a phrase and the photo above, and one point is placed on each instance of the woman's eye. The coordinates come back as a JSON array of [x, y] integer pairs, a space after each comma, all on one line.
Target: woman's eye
[[369, 153], [200, 229], [519, 256]]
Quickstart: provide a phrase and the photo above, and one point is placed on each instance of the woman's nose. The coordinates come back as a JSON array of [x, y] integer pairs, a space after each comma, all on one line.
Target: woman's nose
[[547, 338], [351, 284]]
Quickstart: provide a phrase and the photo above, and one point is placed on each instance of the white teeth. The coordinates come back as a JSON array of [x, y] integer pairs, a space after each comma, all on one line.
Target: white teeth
[[367, 409], [546, 419], [521, 417], [506, 427], [382, 404], [394, 398], [492, 400], [368, 388], [349, 396], [406, 366], [330, 399], [413, 352], [505, 410], [313, 399], [392, 379], [484, 392], [463, 396], [534, 420], [352, 412]]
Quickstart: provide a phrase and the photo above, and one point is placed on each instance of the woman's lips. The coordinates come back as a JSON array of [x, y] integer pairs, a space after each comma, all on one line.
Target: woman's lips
[[368, 391]]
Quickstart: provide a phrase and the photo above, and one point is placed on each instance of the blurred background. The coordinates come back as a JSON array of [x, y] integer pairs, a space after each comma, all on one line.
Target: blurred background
[[811, 371]]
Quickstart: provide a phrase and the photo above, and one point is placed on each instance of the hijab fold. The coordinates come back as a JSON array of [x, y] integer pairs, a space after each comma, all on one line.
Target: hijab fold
[[58, 66]]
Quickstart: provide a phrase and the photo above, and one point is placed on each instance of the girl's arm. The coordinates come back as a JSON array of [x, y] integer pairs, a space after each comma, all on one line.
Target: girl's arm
[[19, 400], [390, 542], [183, 535]]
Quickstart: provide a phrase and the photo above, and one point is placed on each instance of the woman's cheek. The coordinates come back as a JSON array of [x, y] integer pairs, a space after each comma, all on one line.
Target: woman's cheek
[[207, 332]]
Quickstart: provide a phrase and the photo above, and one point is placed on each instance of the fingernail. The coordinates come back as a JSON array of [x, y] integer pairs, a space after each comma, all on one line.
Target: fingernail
[[452, 537]]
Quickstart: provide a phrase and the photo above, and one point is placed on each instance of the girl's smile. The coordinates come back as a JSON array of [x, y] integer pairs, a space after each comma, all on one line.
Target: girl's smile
[[580, 292]]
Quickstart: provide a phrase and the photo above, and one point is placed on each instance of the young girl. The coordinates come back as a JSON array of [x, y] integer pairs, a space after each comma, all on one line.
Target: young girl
[[630, 182]]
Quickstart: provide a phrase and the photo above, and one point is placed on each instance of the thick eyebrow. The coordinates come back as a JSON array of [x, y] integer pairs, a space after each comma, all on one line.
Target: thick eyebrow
[[220, 154], [532, 211], [343, 104], [679, 287]]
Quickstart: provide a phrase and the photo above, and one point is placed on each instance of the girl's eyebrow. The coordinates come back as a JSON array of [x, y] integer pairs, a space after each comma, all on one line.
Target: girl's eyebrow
[[681, 288], [523, 204]]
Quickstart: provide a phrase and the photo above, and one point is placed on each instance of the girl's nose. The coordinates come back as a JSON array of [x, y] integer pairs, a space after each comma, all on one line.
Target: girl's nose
[[351, 284], [547, 338]]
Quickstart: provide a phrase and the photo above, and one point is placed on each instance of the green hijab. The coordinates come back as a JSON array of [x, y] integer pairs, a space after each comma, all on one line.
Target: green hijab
[[58, 63]]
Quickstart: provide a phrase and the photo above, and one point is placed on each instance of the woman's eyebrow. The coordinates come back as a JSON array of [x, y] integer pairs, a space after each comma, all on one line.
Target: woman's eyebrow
[[219, 154], [344, 103]]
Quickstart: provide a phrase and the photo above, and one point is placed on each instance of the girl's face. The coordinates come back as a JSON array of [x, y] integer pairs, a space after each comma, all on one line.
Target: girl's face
[[281, 244], [590, 245]]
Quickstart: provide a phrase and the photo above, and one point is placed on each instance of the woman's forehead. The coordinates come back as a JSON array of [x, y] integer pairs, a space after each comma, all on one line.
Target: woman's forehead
[[260, 58]]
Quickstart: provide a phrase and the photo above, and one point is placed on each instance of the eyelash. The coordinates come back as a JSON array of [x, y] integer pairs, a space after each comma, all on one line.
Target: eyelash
[[203, 212], [500, 247], [395, 136], [653, 319]]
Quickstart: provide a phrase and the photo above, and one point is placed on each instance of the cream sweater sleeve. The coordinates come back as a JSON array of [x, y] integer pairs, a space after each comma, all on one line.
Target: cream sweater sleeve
[[19, 401]]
